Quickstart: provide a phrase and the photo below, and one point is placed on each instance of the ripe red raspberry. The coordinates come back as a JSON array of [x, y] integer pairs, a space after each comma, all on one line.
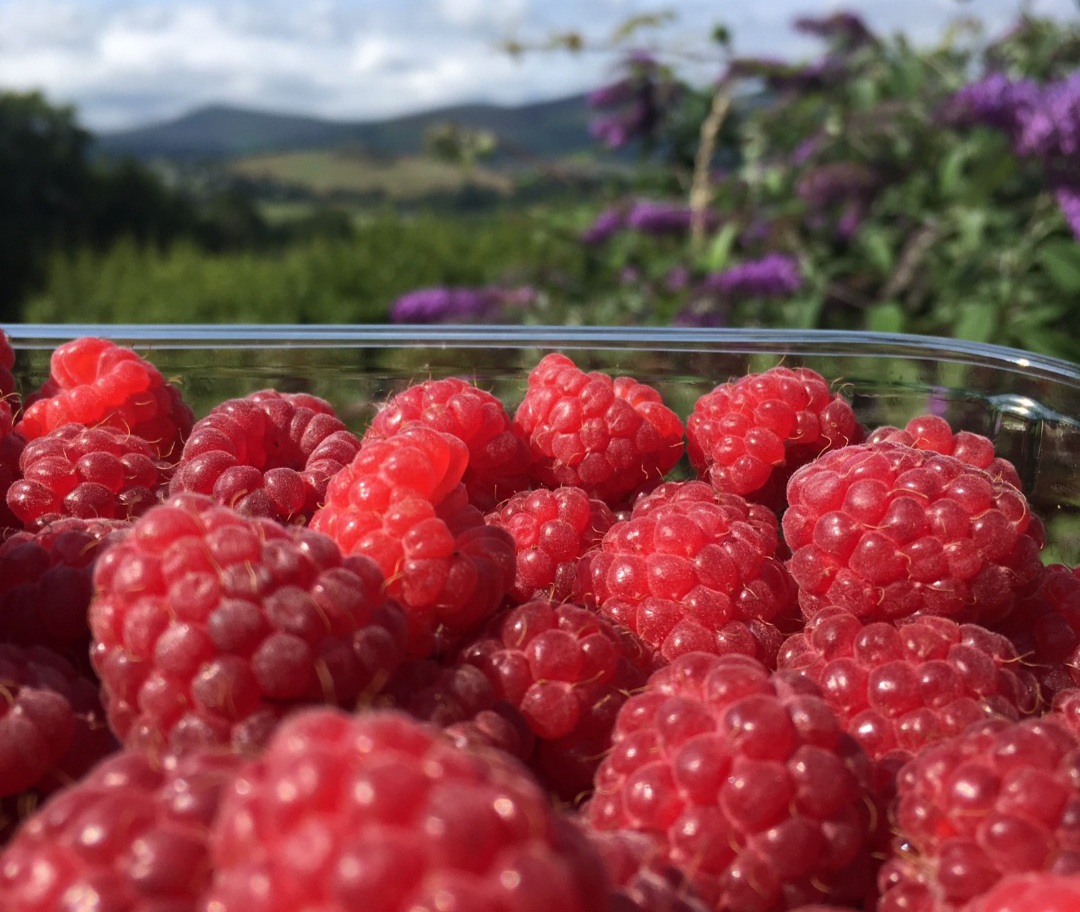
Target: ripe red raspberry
[[89, 473], [379, 811], [612, 437], [568, 671], [401, 503], [898, 688], [209, 626], [551, 530], [95, 382], [748, 781], [458, 698], [11, 447], [693, 569], [498, 451], [748, 435], [1041, 891], [268, 454], [932, 432], [45, 585], [642, 881], [885, 531], [132, 835], [52, 729], [1001, 798], [1045, 628]]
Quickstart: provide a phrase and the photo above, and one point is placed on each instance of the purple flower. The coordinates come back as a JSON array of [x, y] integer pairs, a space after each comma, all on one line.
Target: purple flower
[[609, 222], [1068, 200], [677, 278], [994, 101], [836, 182], [1049, 128], [662, 218], [637, 102], [806, 150], [845, 29], [773, 276], [610, 96], [447, 305]]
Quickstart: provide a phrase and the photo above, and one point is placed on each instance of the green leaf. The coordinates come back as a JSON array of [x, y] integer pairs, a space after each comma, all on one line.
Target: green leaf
[[1061, 260], [951, 172], [976, 321], [875, 244], [720, 249], [886, 318]]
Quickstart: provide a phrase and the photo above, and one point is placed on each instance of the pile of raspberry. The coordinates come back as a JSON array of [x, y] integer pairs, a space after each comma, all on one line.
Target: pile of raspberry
[[575, 652]]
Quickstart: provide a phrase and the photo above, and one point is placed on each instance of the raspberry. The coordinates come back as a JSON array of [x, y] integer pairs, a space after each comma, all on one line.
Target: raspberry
[[748, 435], [459, 699], [498, 452], [932, 432], [1045, 628], [568, 671], [378, 811], [401, 503], [269, 454], [52, 728], [131, 835], [95, 382], [641, 881], [209, 626], [748, 782], [612, 437], [90, 473], [11, 447], [885, 531], [1037, 892], [693, 569], [1001, 798], [45, 585], [898, 688], [551, 530]]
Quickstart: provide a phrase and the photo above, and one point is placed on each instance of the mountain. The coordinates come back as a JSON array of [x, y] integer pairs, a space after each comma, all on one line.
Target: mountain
[[546, 129]]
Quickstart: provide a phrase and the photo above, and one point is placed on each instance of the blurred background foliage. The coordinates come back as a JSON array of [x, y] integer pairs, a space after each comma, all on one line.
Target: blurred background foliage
[[877, 186]]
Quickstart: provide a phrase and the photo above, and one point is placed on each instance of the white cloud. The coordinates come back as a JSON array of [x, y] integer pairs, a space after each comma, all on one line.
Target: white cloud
[[130, 61]]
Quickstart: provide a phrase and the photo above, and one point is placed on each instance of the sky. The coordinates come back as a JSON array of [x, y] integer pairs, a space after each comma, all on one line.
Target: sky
[[125, 63]]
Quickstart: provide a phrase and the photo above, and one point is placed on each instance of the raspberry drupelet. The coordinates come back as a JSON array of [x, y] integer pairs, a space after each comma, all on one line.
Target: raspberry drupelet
[[747, 780], [378, 811], [1001, 798], [498, 451], [612, 437], [11, 447], [209, 626], [886, 530], [568, 671], [97, 382], [1040, 891], [401, 503], [748, 435], [642, 879], [131, 835], [693, 569], [267, 454], [88, 473], [551, 529]]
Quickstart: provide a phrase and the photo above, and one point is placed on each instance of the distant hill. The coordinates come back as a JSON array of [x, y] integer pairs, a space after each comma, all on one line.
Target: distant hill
[[550, 129]]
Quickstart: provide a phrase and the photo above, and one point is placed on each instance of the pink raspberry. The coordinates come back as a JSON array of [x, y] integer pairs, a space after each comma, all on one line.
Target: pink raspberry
[[933, 433], [748, 435], [95, 382], [642, 881], [131, 835], [748, 782], [89, 473], [1001, 798], [693, 569], [612, 437], [551, 529], [379, 811], [568, 671], [52, 729], [401, 503], [1040, 891], [885, 530], [268, 454], [11, 447], [498, 451], [209, 626], [46, 584], [898, 688]]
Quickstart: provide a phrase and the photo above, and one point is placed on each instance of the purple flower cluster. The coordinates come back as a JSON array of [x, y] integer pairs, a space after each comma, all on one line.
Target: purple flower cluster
[[845, 188], [773, 276], [845, 29], [636, 102], [1068, 200], [656, 218], [609, 222], [458, 304], [779, 76]]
